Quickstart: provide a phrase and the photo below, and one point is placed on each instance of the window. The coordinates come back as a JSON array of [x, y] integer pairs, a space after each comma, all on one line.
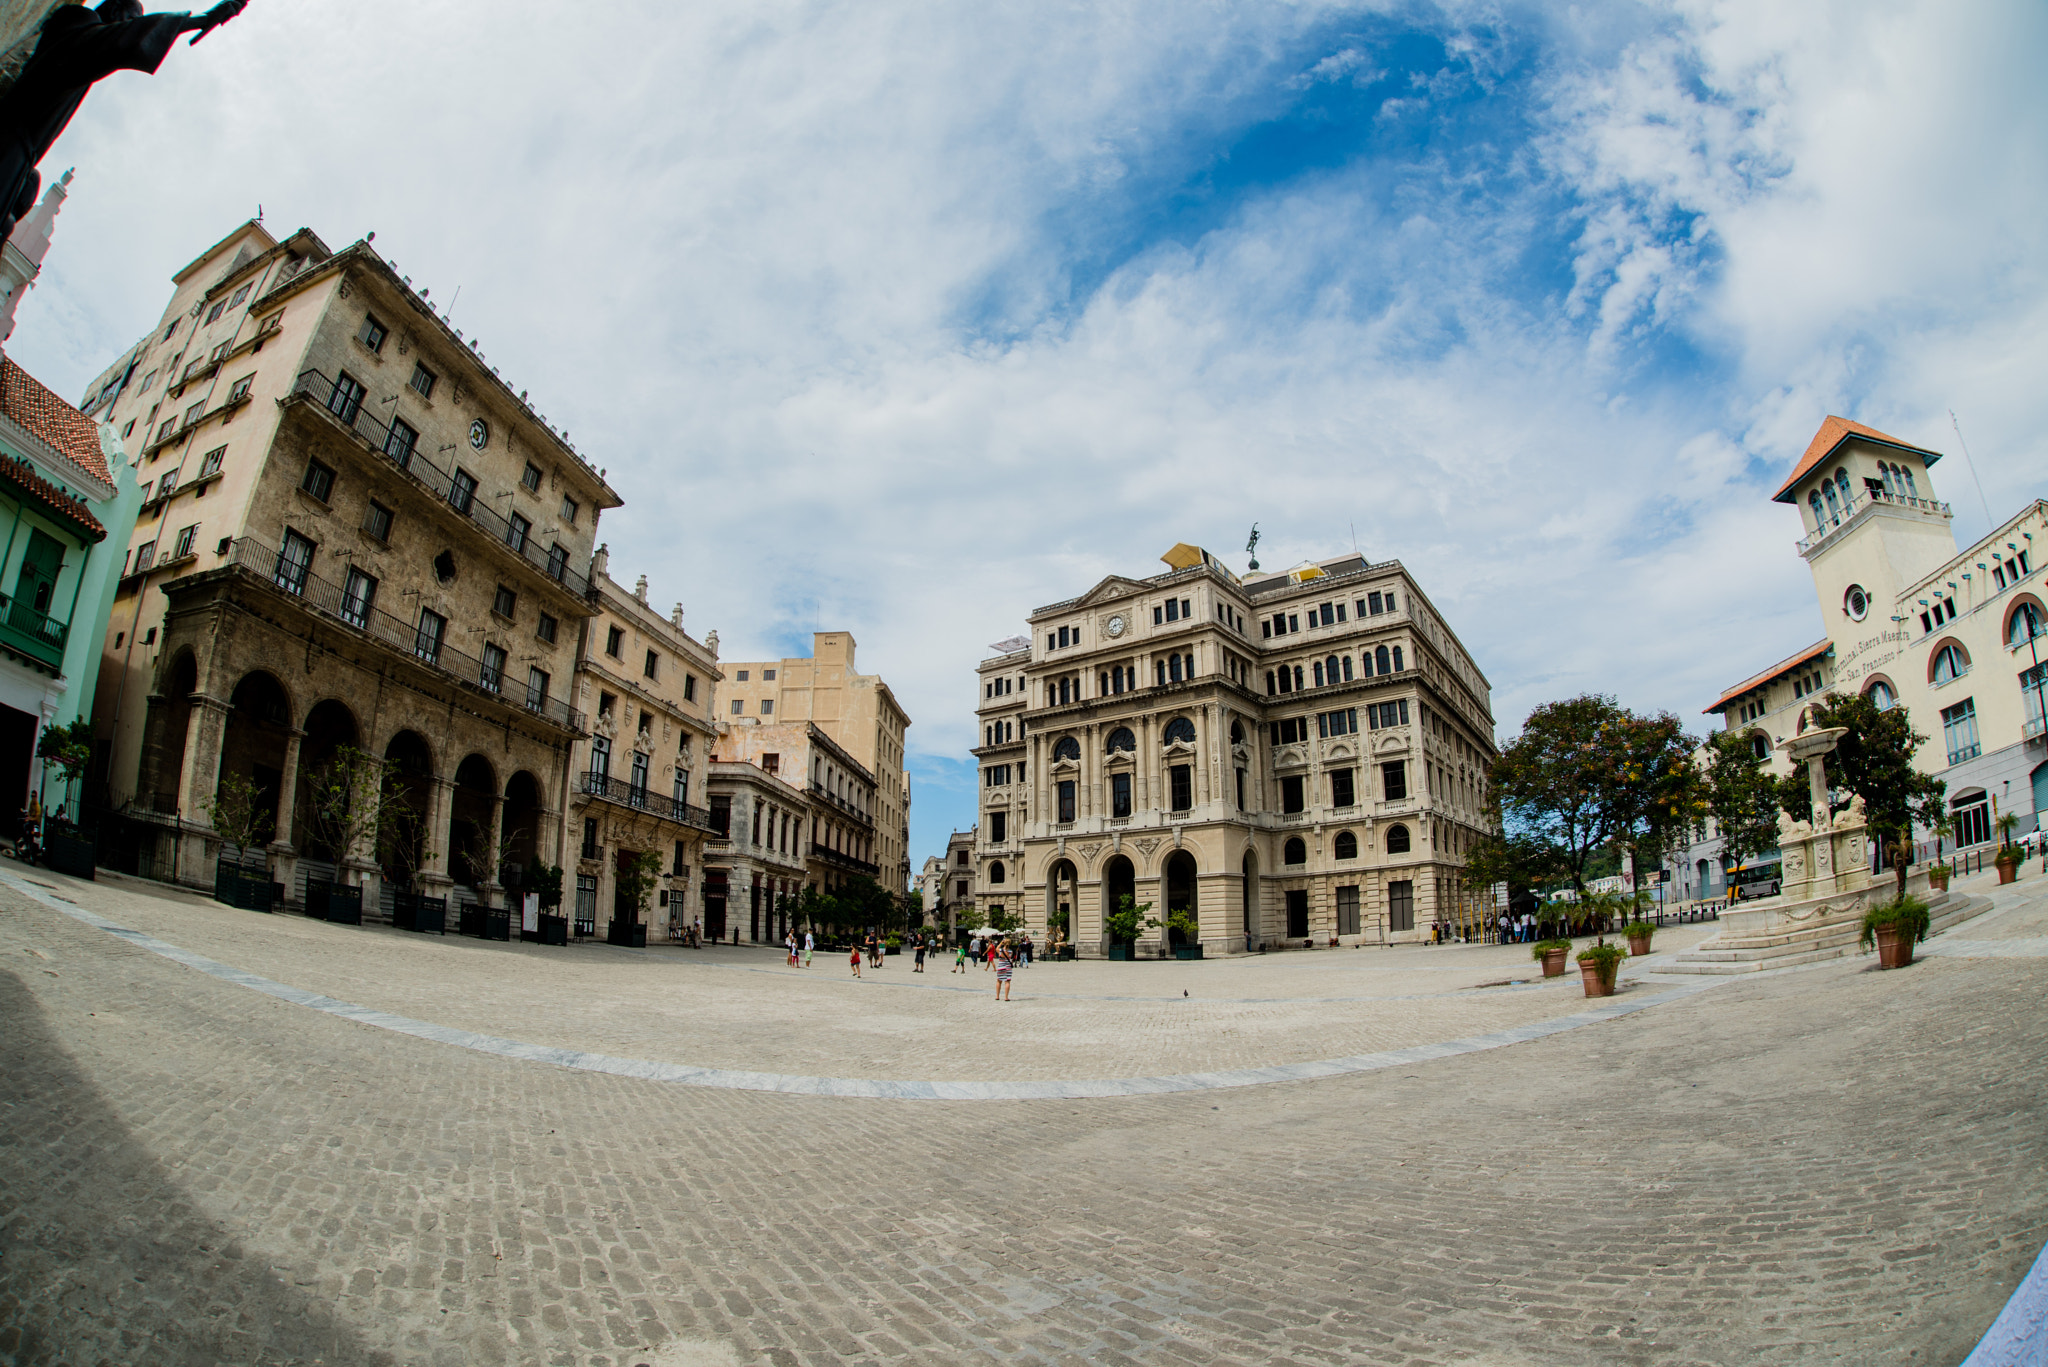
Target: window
[[209, 465], [1346, 846], [170, 425], [240, 295], [1347, 910], [1181, 782], [742, 676], [1959, 731], [998, 827], [1066, 800], [1122, 739], [1401, 905], [1972, 815], [680, 867], [614, 639], [996, 872], [185, 540], [652, 668], [530, 478], [213, 314], [1291, 794], [145, 556], [606, 702], [1881, 695], [589, 852], [1295, 851], [569, 510], [377, 521], [767, 707], [516, 530], [400, 441], [1387, 714], [768, 676], [1119, 795], [504, 601], [294, 560], [537, 690], [1066, 747], [558, 562], [372, 335], [1341, 794], [1179, 731], [600, 757], [427, 636], [1949, 665], [444, 567], [689, 687], [491, 672], [1339, 723], [1856, 603], [721, 816], [347, 399], [356, 597], [317, 481], [462, 490], [1394, 781], [147, 381], [423, 381], [240, 389], [1398, 841], [2027, 623], [738, 706], [639, 779], [166, 484]]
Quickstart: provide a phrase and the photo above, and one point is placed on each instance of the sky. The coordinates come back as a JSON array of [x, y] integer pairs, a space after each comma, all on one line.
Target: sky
[[907, 319]]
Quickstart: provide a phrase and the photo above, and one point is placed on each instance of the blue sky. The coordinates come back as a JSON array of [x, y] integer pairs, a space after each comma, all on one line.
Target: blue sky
[[908, 319]]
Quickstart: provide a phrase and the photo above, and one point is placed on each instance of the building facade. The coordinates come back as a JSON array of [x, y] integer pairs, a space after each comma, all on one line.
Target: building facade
[[1956, 636], [858, 711], [68, 497], [640, 784], [355, 534], [1291, 758]]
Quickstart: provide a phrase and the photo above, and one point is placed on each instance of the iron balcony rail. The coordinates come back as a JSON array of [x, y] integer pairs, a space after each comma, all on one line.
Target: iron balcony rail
[[351, 410], [361, 615], [641, 799], [1838, 522], [43, 635], [842, 804], [844, 861]]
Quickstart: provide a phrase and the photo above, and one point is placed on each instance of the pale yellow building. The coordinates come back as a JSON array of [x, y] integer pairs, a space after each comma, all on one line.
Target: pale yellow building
[[858, 711], [1294, 758]]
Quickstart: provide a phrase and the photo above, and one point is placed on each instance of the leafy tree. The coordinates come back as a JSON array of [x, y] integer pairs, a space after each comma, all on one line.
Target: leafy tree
[[68, 749], [1874, 762], [1742, 797], [402, 845], [1001, 918], [236, 812], [969, 918], [353, 804], [1586, 773], [1130, 914], [637, 875], [1518, 859], [867, 903]]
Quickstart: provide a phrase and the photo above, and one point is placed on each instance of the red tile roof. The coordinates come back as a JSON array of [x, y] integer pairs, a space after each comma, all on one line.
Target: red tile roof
[[23, 476], [1833, 433], [1785, 666], [75, 436]]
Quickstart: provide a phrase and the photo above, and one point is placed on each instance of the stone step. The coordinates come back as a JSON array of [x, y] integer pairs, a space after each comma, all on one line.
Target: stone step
[[1810, 944]]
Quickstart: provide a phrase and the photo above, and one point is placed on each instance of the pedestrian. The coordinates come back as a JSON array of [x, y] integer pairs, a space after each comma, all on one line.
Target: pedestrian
[[854, 958], [917, 945], [1003, 965], [810, 944], [1027, 950], [960, 957], [789, 949]]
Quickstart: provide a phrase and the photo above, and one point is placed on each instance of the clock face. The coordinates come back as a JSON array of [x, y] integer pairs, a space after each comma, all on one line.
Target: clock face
[[1116, 626], [479, 434]]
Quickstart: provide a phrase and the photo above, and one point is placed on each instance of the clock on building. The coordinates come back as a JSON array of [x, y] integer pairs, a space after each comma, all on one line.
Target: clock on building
[[479, 434], [1116, 626]]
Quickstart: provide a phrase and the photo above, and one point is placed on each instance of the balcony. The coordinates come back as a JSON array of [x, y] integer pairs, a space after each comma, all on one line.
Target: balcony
[[620, 793], [35, 634], [2034, 727], [263, 562], [395, 448], [1860, 504], [844, 861], [833, 799]]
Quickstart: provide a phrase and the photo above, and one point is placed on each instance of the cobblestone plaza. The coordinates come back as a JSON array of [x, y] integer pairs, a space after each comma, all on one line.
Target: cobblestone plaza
[[403, 1150]]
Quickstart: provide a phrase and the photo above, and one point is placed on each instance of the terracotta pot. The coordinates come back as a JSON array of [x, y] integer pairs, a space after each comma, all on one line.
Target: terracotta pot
[[1638, 944], [2008, 869], [1599, 984], [1894, 947], [1938, 880], [1553, 962]]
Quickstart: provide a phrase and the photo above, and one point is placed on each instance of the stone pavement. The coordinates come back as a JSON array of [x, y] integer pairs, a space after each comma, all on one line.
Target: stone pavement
[[1830, 1164]]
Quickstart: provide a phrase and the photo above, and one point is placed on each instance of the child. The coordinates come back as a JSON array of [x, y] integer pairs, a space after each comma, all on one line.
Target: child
[[960, 958], [855, 958]]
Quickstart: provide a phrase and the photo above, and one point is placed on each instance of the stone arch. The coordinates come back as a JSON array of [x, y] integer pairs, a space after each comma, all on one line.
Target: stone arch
[[170, 722], [1061, 882], [255, 739], [1295, 852], [1249, 867], [1119, 880], [521, 823], [410, 781], [2039, 618], [1181, 894], [330, 725], [470, 858], [1941, 647]]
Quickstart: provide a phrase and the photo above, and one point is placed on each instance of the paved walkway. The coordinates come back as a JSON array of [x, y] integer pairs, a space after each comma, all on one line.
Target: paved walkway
[[1826, 1164]]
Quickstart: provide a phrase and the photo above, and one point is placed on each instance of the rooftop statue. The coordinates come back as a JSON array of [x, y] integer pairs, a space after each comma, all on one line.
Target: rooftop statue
[[79, 45]]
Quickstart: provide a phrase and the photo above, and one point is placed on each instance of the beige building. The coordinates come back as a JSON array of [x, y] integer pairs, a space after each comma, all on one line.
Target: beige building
[[1955, 636], [790, 809], [858, 711], [641, 776], [356, 534], [1291, 757]]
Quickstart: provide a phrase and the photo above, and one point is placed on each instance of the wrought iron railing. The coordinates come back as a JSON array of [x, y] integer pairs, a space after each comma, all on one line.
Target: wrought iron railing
[[642, 799], [292, 577], [819, 790], [352, 410], [43, 635], [844, 860]]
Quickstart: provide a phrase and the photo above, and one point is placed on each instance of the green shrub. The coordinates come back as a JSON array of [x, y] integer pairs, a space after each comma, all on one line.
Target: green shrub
[[1605, 956], [1907, 914], [1640, 929], [1543, 947]]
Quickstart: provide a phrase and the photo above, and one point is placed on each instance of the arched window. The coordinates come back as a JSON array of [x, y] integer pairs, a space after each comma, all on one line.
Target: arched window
[[1760, 747], [1237, 733], [1381, 657], [1881, 695], [1912, 489], [1347, 669], [1066, 747], [1103, 692], [1889, 487], [1347, 845], [1949, 664], [1319, 674], [1834, 509], [1330, 669], [1820, 519], [1397, 840], [1295, 852], [1180, 729], [1122, 739], [1173, 668], [2027, 623], [995, 872], [1842, 483], [1270, 689], [1398, 666]]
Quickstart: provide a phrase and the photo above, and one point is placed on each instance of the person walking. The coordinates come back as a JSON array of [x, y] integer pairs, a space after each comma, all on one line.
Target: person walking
[[1004, 964], [917, 945], [960, 957], [854, 958], [810, 945]]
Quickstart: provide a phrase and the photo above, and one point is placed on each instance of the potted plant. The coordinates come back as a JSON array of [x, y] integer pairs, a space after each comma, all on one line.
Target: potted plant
[[1599, 965], [893, 942], [1894, 927], [236, 813], [1189, 928], [1639, 933], [1551, 954], [1122, 924], [2009, 855]]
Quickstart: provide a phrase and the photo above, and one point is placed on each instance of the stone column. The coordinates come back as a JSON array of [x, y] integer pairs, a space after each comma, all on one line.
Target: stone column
[[204, 731], [283, 851], [493, 836], [434, 878]]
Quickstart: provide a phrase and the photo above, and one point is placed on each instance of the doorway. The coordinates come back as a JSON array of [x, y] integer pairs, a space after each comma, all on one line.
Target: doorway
[[1180, 895], [1297, 914]]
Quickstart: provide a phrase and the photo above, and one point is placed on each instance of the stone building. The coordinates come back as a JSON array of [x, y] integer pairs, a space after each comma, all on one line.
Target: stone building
[[814, 827], [1954, 635], [640, 776], [858, 711], [356, 534], [1291, 757]]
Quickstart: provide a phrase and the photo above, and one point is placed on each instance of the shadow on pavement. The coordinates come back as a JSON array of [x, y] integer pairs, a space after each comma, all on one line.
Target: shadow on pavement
[[102, 1256]]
